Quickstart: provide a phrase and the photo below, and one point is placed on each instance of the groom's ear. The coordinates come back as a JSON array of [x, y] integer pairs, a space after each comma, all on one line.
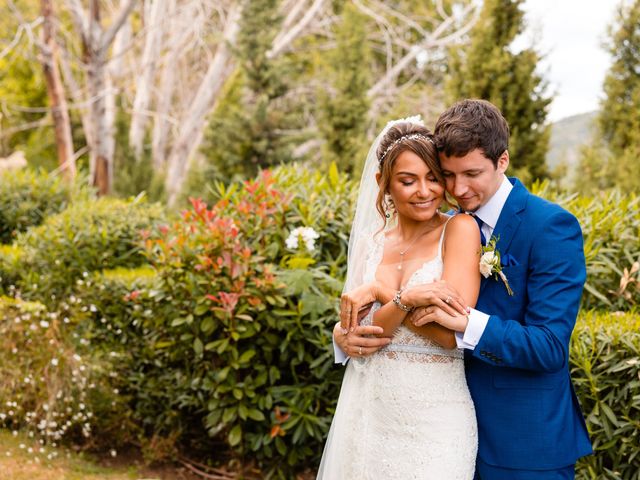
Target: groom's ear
[[503, 162]]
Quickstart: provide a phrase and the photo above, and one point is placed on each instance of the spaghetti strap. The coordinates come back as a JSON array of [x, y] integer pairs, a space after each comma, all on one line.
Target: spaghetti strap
[[441, 243]]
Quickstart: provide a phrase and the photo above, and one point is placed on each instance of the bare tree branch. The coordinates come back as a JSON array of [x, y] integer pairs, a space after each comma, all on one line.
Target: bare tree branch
[[285, 40], [108, 36], [79, 18], [431, 41]]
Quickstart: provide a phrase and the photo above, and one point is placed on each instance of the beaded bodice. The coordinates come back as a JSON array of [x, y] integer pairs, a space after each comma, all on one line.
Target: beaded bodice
[[405, 342]]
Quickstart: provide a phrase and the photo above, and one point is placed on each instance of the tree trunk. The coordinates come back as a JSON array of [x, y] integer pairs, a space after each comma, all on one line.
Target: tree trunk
[[144, 83], [191, 129], [55, 91]]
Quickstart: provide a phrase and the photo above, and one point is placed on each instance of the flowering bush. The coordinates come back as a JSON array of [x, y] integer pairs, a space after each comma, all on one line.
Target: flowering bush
[[231, 341], [45, 384]]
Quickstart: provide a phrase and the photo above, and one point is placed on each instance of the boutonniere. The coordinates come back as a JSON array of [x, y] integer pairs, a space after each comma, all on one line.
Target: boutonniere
[[490, 263]]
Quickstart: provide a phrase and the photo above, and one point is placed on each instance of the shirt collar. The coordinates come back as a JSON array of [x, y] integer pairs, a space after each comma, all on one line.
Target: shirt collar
[[490, 211]]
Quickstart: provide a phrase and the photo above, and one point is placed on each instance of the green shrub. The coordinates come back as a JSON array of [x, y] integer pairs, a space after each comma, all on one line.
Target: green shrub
[[231, 342], [605, 368], [28, 197], [611, 228], [10, 265], [88, 236]]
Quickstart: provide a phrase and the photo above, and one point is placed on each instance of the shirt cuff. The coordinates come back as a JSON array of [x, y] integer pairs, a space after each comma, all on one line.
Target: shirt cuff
[[338, 354], [475, 328]]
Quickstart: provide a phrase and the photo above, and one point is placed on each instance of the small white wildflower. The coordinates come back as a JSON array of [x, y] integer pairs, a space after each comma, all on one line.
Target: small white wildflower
[[113, 453], [54, 362], [44, 324], [308, 234]]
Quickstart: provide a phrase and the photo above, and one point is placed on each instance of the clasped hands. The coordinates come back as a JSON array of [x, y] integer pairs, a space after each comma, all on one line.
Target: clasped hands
[[433, 302]]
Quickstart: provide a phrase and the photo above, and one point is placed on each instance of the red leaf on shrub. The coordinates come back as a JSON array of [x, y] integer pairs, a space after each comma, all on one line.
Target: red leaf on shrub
[[229, 300], [254, 301], [213, 298], [275, 431], [135, 294]]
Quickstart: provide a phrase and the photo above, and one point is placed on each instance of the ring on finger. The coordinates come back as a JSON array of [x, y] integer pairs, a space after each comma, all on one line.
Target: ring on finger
[[360, 350], [448, 299]]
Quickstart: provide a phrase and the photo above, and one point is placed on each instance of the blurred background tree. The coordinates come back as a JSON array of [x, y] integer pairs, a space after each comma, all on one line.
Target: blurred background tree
[[489, 68], [225, 88], [344, 103], [612, 158]]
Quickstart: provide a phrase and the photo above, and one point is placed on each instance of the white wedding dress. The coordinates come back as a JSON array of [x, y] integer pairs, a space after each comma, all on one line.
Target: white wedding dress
[[404, 412]]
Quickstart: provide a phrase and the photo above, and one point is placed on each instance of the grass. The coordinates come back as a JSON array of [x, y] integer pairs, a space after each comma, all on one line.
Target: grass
[[18, 463]]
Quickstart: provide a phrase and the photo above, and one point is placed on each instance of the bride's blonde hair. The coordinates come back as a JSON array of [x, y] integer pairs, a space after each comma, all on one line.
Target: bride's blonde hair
[[400, 138]]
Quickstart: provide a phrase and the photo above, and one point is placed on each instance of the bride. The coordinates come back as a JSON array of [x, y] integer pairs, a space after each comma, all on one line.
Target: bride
[[405, 412]]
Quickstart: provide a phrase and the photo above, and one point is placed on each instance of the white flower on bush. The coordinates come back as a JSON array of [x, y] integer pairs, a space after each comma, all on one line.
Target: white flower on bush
[[488, 262], [308, 235]]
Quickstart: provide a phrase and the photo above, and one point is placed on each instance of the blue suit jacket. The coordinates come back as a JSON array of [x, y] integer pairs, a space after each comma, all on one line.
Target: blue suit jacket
[[528, 414]]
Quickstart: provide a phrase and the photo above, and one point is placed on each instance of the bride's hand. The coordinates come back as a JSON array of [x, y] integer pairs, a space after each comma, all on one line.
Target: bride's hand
[[439, 294], [423, 315], [355, 301]]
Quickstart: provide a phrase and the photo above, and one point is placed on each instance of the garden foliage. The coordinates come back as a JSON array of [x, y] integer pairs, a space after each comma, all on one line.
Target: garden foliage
[[28, 197], [610, 224], [212, 333], [88, 236], [605, 368]]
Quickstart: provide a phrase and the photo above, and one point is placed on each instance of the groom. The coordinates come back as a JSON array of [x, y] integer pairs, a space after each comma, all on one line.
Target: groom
[[516, 346]]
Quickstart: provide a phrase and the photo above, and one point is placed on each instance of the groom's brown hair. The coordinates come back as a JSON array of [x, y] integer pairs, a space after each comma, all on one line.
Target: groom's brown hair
[[470, 124]]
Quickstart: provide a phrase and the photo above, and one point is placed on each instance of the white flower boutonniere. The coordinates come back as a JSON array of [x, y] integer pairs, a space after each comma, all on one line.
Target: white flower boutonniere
[[490, 263]]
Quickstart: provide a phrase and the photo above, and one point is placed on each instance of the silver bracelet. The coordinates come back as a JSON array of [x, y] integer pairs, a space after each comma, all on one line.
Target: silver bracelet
[[400, 305]]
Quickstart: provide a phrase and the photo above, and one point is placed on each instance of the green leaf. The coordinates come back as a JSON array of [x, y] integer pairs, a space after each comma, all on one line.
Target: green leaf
[[207, 325], [256, 415], [246, 356], [201, 309], [235, 436], [197, 346]]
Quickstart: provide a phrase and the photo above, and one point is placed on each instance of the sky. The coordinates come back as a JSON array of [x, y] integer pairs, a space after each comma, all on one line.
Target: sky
[[571, 33]]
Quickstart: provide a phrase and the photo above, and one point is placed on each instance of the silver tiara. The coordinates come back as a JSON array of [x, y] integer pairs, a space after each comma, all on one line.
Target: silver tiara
[[410, 136]]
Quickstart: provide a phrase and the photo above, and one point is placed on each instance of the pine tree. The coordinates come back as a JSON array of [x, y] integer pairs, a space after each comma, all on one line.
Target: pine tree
[[244, 131], [488, 69], [617, 150], [619, 118], [344, 106]]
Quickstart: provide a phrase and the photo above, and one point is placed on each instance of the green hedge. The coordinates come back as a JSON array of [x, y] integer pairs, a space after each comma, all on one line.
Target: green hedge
[[605, 368], [88, 236], [10, 266], [28, 197]]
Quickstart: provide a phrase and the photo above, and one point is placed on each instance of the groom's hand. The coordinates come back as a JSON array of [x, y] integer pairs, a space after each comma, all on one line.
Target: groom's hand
[[439, 294], [361, 341], [423, 315]]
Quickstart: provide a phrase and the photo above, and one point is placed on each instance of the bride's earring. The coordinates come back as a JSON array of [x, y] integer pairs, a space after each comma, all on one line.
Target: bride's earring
[[388, 206]]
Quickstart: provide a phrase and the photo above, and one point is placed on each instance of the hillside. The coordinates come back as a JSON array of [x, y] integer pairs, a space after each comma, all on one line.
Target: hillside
[[567, 136]]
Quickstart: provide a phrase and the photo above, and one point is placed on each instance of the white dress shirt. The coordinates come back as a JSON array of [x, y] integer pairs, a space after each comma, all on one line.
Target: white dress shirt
[[489, 214]]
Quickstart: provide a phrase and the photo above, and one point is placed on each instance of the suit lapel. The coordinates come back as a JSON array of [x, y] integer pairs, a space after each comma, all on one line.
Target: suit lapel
[[509, 220]]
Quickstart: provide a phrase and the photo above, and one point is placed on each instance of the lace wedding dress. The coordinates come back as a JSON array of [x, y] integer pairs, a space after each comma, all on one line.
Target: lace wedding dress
[[404, 412]]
